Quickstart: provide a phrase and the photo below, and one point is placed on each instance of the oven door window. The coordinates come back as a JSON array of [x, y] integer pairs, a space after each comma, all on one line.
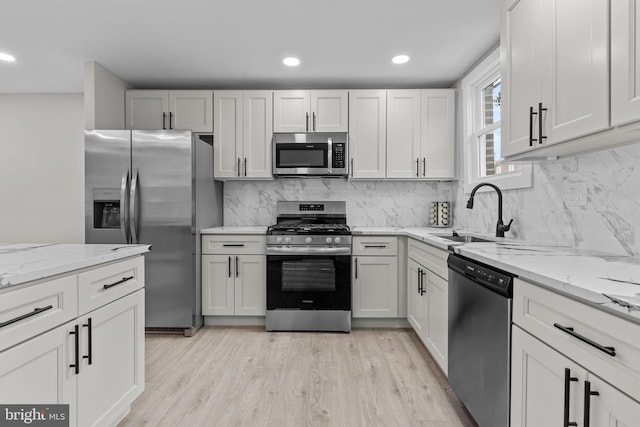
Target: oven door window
[[291, 155], [314, 275]]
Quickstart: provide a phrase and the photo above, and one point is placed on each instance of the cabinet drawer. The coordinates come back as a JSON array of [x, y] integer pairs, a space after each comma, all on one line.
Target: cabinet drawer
[[375, 245], [431, 258], [102, 285], [231, 244], [537, 310], [31, 310]]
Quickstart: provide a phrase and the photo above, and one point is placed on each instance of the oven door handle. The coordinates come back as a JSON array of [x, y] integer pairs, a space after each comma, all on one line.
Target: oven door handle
[[309, 251]]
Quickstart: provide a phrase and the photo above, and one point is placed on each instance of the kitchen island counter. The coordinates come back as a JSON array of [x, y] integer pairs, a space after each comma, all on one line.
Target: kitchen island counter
[[25, 262]]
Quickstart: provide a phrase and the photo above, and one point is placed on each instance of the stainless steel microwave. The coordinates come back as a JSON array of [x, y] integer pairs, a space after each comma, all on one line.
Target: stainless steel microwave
[[309, 154]]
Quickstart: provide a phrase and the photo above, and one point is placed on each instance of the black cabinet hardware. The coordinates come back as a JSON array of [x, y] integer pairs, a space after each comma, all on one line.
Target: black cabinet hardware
[[238, 166], [424, 166], [587, 402], [233, 245], [567, 397], [89, 355], [25, 316], [307, 125], [611, 351], [164, 118], [245, 166], [229, 266], [356, 260], [76, 339], [422, 274], [237, 272], [420, 281], [314, 121], [352, 167], [375, 246], [119, 282], [417, 167], [170, 119], [531, 114], [540, 136]]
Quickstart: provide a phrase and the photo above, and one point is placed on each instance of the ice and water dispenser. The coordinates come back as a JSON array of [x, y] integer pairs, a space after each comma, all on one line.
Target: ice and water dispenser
[[106, 208]]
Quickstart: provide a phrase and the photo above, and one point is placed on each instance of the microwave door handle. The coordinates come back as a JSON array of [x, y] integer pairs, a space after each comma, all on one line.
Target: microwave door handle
[[133, 208], [124, 207]]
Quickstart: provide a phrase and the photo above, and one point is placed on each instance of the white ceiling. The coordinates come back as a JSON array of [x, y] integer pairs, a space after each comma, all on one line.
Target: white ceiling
[[241, 43]]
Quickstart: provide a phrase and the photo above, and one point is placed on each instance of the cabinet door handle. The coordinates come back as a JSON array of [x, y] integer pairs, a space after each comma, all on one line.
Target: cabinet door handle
[[356, 260], [531, 138], [611, 351], [422, 274], [587, 403], [229, 266], [25, 316], [314, 121], [417, 167], [89, 355], [424, 166], [164, 119], [170, 120], [76, 340], [567, 397], [419, 281], [119, 282], [307, 125], [540, 136], [238, 166], [245, 166], [351, 167], [237, 272]]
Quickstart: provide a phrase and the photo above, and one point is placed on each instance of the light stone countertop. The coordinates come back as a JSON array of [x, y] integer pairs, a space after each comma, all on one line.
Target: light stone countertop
[[257, 229], [25, 262]]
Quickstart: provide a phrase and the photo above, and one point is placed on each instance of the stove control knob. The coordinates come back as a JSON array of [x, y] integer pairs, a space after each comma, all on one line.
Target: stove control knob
[[337, 240], [328, 240], [287, 239], [308, 239], [278, 239]]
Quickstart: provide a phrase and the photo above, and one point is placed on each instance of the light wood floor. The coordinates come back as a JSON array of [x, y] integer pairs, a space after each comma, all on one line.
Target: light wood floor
[[234, 376]]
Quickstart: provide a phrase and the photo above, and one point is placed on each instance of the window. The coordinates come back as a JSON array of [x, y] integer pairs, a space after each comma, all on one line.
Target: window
[[482, 99]]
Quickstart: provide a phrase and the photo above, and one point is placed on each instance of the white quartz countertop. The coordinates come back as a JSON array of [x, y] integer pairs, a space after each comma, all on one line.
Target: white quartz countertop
[[257, 229], [24, 262]]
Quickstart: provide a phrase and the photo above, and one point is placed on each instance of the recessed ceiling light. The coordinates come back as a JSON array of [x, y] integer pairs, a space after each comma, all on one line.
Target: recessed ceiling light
[[400, 59], [290, 61], [6, 57]]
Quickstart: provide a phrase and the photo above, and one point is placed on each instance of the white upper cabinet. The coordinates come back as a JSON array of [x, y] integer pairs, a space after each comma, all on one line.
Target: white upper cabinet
[[555, 72], [177, 109], [367, 133], [242, 134], [437, 139], [420, 133], [625, 61], [310, 111], [403, 133]]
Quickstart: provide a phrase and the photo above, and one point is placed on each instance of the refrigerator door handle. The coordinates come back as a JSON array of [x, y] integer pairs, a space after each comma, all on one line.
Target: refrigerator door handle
[[133, 208], [124, 207]]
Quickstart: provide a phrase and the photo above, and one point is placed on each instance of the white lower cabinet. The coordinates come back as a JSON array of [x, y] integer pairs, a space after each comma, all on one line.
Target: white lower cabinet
[[94, 363], [427, 298], [557, 378], [234, 270], [375, 277]]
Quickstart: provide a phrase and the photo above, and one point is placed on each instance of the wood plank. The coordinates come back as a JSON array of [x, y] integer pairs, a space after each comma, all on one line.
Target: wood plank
[[247, 376]]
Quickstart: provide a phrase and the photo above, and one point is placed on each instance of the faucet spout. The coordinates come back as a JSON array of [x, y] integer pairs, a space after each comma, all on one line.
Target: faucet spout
[[500, 227]]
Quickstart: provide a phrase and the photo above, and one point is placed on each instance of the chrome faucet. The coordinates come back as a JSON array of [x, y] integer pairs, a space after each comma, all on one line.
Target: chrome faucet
[[500, 227]]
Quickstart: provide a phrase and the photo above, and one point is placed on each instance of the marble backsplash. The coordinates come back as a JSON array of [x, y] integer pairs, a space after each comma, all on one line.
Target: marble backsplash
[[609, 222], [369, 203]]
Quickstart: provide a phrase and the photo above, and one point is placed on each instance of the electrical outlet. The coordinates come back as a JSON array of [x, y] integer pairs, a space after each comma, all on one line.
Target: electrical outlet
[[575, 194]]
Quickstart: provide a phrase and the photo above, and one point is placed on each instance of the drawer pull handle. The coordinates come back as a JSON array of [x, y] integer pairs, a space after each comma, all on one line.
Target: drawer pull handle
[[568, 330], [233, 245], [119, 282], [25, 316], [375, 246]]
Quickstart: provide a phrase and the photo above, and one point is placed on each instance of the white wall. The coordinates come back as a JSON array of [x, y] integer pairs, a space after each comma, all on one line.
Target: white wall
[[104, 94], [42, 168]]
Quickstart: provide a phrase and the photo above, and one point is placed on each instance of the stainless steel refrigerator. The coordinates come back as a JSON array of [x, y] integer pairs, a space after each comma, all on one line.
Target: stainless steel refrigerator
[[156, 188]]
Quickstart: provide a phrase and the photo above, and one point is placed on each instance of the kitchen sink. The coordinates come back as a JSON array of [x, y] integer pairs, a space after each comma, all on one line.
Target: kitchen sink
[[464, 239]]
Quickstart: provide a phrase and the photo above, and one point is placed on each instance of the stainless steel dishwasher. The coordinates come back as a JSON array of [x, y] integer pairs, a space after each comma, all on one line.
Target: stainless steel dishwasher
[[480, 299]]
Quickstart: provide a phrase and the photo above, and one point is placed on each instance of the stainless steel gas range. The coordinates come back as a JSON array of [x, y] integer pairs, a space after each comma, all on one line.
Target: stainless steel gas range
[[309, 268]]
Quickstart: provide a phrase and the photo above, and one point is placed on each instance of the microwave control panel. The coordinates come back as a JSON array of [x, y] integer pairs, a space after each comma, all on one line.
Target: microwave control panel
[[338, 155]]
